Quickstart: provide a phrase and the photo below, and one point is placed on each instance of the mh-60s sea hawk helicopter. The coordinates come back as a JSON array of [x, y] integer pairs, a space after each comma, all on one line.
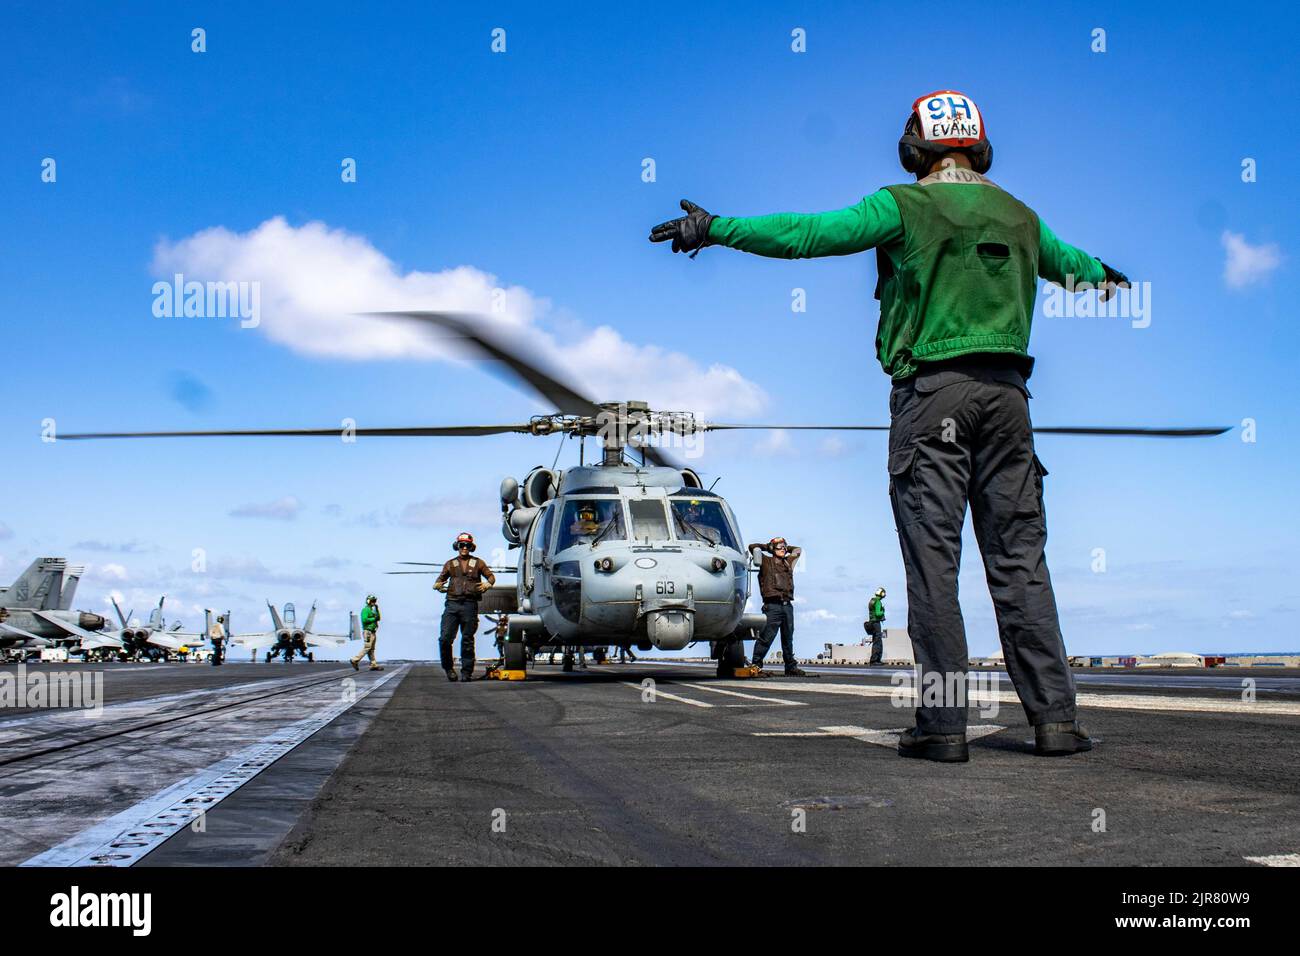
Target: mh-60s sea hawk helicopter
[[618, 552]]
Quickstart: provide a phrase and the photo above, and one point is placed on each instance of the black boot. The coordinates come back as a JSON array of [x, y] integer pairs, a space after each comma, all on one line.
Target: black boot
[[1058, 739], [451, 674], [467, 675], [944, 748]]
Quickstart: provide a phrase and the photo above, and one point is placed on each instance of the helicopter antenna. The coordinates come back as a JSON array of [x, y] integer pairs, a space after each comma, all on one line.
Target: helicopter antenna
[[557, 451], [715, 481]]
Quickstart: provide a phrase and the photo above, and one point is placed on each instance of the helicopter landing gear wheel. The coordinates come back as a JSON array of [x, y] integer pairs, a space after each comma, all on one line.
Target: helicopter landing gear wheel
[[731, 659], [514, 658]]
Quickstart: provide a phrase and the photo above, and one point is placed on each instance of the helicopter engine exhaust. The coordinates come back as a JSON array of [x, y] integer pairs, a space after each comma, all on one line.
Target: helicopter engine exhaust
[[670, 630]]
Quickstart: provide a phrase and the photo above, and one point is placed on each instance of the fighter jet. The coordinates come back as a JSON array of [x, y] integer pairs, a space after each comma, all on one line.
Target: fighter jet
[[153, 640], [36, 611], [288, 638]]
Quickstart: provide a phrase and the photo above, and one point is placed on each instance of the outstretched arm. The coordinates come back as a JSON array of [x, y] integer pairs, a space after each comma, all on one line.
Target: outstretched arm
[[872, 222], [1068, 266]]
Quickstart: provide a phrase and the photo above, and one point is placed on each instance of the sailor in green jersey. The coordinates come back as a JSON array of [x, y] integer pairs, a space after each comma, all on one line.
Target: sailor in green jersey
[[369, 626], [958, 260], [875, 618]]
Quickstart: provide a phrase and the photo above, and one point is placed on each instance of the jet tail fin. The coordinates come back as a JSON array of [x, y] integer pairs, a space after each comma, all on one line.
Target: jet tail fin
[[122, 618], [276, 622], [68, 590], [354, 626], [40, 587], [311, 618]]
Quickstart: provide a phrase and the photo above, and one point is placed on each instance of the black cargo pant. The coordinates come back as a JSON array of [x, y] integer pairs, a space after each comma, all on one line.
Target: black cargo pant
[[877, 641], [780, 615], [459, 613], [958, 436]]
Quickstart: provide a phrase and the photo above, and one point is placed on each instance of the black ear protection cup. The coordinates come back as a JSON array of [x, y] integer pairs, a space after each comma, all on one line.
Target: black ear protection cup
[[981, 156], [915, 154]]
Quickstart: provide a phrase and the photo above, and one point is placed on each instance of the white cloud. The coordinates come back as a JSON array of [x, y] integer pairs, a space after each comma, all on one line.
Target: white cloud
[[821, 614], [314, 279], [833, 447], [446, 512], [282, 509], [1247, 264], [111, 572], [776, 442]]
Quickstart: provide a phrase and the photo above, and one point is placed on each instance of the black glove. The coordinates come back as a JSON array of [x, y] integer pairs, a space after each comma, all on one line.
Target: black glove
[[689, 233], [1114, 279]]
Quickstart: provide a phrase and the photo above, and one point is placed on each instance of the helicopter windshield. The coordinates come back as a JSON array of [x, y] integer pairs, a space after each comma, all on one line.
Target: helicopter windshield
[[699, 520], [648, 520], [586, 520]]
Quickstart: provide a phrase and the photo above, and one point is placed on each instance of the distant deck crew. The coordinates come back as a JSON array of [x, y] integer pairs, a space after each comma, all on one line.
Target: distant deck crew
[[463, 579], [776, 585], [958, 259], [370, 617], [217, 636], [875, 618]]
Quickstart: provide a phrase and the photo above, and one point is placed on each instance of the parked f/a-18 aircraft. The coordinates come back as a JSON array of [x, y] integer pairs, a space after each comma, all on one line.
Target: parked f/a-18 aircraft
[[153, 640], [36, 611], [288, 639]]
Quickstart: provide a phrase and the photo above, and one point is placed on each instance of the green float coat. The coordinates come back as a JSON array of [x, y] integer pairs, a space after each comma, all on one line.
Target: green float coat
[[959, 260]]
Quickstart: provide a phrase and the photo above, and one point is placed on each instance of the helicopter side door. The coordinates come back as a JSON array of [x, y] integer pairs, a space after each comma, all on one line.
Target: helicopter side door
[[537, 551]]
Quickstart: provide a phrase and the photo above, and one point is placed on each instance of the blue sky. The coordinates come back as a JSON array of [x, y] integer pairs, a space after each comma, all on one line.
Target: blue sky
[[523, 170]]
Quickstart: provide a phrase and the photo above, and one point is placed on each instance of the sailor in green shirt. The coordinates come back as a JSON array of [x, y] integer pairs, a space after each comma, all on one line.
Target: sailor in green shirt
[[369, 625], [958, 260], [876, 617]]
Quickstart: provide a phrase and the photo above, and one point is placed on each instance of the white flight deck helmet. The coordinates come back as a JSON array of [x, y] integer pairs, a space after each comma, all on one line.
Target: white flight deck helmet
[[942, 122]]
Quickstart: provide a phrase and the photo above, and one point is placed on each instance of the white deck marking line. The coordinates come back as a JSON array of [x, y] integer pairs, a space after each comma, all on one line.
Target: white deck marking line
[[663, 693], [1198, 705], [883, 738], [1285, 859], [736, 693], [142, 706], [126, 837]]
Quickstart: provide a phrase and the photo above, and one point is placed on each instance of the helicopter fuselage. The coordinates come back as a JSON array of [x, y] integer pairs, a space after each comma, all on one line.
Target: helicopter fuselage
[[627, 555]]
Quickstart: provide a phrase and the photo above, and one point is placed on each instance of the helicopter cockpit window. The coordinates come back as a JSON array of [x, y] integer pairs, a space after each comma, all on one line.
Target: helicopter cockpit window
[[700, 520], [648, 520], [588, 520]]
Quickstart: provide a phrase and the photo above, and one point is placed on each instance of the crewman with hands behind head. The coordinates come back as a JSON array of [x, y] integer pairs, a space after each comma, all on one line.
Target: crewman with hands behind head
[[776, 585], [463, 581]]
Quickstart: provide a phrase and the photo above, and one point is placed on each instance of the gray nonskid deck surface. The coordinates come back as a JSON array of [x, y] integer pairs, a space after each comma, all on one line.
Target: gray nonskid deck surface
[[64, 774], [580, 769]]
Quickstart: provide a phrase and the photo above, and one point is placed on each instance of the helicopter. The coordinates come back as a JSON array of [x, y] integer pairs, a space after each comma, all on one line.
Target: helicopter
[[630, 550]]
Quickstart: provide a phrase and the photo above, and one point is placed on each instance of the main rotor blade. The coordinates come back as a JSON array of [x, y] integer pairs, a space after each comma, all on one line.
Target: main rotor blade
[[413, 431], [565, 398], [1137, 432], [1194, 432], [714, 426]]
